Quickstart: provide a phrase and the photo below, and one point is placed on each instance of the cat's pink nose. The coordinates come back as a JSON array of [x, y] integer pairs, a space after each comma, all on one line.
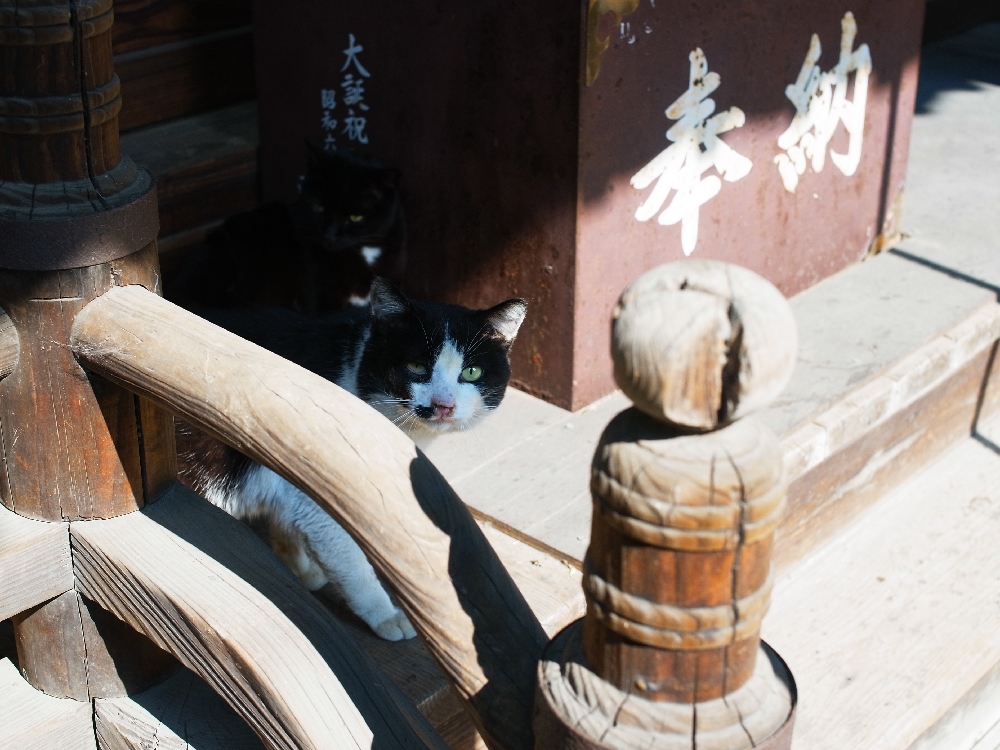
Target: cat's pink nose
[[443, 408]]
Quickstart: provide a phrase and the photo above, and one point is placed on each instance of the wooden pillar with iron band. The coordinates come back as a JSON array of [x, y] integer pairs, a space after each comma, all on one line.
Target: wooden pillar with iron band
[[76, 219], [688, 491]]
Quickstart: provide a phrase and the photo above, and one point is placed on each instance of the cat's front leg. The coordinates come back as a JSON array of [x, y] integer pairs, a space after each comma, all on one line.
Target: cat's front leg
[[319, 550]]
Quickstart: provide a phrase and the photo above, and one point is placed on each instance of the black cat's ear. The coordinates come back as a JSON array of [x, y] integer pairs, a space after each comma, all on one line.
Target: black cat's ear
[[506, 318], [387, 300]]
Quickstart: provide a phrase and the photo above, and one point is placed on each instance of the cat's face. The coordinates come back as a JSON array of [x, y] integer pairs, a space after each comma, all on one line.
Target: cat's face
[[435, 368], [351, 202]]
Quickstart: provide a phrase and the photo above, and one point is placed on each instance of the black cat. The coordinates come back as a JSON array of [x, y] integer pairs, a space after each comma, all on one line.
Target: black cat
[[314, 255]]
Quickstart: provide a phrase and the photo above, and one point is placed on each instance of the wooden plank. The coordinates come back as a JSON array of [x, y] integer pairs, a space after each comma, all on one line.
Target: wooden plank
[[31, 720], [205, 166], [9, 345], [830, 496], [180, 713], [529, 464], [185, 77], [968, 724], [552, 589], [140, 24], [367, 474], [894, 621], [201, 586], [528, 468], [35, 562]]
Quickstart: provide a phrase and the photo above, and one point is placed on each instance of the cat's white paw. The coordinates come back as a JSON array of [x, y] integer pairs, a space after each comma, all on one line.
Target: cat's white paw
[[397, 627]]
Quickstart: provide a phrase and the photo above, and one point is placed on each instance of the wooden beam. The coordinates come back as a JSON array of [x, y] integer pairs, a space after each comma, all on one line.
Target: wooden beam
[[178, 714], [9, 345], [201, 586], [361, 469], [35, 563], [32, 720]]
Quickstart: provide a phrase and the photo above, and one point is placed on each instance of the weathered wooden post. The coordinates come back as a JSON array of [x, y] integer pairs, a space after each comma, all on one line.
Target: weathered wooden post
[[76, 218], [687, 492]]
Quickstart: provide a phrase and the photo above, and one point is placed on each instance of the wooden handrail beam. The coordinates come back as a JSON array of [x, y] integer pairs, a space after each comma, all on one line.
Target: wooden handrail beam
[[200, 585], [362, 470]]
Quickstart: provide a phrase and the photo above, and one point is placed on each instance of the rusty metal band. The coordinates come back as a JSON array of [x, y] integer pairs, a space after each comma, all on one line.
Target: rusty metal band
[[671, 616], [87, 240]]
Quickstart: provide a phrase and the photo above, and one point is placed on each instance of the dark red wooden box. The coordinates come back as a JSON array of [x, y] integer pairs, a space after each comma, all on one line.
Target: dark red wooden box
[[519, 126]]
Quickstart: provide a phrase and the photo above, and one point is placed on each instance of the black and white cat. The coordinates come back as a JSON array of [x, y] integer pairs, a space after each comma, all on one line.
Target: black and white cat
[[431, 368]]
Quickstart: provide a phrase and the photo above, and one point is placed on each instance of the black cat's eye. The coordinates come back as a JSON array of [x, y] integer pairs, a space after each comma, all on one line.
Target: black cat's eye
[[357, 218], [472, 374], [416, 368]]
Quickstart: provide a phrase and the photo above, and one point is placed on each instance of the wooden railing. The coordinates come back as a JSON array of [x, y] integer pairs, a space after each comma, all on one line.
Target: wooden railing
[[687, 489]]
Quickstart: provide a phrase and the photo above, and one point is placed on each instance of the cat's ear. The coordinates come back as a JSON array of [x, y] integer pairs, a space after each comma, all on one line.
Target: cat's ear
[[506, 318], [387, 300]]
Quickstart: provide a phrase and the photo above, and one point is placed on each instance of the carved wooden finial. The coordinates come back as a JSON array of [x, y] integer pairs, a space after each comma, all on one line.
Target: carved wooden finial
[[699, 343], [687, 495]]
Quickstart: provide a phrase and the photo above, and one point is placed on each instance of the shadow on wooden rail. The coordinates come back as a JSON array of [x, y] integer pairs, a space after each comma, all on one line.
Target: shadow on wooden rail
[[361, 469]]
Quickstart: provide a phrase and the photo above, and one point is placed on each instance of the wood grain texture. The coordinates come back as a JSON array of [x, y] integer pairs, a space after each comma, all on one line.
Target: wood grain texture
[[202, 587], [698, 343], [577, 710], [31, 720], [906, 602], [830, 496], [676, 574], [181, 713], [35, 562], [186, 77], [140, 24], [205, 166], [552, 590], [60, 56], [368, 475], [9, 345], [69, 451]]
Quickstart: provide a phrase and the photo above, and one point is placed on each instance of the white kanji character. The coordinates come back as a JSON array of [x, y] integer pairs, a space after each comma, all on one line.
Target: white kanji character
[[354, 92], [354, 127], [821, 104], [328, 98], [696, 147], [352, 52]]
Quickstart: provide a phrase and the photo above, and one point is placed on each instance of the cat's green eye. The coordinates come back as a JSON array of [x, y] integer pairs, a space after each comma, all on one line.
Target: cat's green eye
[[472, 374], [357, 217], [416, 368]]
